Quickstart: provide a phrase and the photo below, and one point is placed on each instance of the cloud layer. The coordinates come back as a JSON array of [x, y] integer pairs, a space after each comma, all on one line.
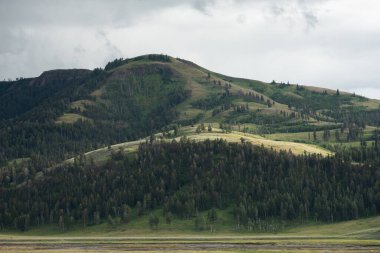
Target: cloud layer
[[327, 43]]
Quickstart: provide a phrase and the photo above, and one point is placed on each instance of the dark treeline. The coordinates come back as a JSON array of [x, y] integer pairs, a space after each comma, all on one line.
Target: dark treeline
[[311, 101], [121, 61], [186, 177], [30, 107], [21, 97], [360, 118], [55, 142], [223, 100], [133, 105], [326, 106], [366, 152]]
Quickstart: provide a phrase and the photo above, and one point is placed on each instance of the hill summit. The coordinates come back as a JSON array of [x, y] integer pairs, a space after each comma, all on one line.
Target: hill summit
[[68, 112]]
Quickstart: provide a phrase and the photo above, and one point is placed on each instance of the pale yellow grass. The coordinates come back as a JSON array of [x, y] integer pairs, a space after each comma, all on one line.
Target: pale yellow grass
[[69, 118], [370, 104], [102, 154], [296, 148]]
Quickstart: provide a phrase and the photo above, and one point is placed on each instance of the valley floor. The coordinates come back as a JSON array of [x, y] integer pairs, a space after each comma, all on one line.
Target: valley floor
[[188, 244], [360, 235]]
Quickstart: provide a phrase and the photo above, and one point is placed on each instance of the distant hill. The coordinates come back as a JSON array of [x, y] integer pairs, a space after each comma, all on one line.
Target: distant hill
[[67, 112]]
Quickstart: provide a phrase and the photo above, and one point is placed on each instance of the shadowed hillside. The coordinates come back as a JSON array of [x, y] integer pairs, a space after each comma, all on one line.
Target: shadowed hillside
[[84, 110]]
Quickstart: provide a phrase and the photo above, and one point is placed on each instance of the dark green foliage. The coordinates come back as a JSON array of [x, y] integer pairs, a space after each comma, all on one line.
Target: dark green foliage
[[311, 101], [200, 223], [211, 218], [186, 177], [168, 218], [126, 214], [32, 132], [212, 101], [152, 57], [333, 107], [356, 116], [159, 57], [26, 94], [259, 118], [144, 98], [182, 178], [153, 221], [132, 107], [294, 127], [115, 63]]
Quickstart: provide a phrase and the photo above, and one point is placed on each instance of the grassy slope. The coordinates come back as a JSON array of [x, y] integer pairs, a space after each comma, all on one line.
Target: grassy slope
[[365, 228], [307, 137], [70, 118], [352, 236], [197, 81], [201, 83], [102, 154], [235, 136]]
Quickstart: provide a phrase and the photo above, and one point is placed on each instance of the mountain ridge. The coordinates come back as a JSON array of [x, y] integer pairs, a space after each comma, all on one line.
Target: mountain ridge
[[134, 98], [156, 137]]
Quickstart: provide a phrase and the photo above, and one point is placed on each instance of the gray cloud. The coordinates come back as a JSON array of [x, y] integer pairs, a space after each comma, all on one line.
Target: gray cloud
[[114, 51], [277, 10], [12, 42], [86, 12], [203, 5], [291, 10], [241, 18], [304, 41], [310, 18]]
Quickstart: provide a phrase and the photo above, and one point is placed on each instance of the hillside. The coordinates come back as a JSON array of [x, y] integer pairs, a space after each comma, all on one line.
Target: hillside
[[64, 113], [253, 188], [190, 132], [161, 137]]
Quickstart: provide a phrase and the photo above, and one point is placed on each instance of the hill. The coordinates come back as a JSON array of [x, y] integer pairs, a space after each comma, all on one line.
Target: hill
[[160, 137], [252, 188], [190, 132], [64, 113]]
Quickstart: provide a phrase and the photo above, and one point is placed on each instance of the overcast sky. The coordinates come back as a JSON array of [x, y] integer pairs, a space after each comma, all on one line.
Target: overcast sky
[[329, 43]]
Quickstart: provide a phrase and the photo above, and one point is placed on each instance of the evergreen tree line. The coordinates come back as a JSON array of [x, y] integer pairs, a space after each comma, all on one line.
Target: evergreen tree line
[[121, 61], [185, 177], [131, 107]]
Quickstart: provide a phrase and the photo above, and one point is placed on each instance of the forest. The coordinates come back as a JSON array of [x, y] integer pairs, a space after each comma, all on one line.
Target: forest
[[62, 114], [187, 177], [130, 108]]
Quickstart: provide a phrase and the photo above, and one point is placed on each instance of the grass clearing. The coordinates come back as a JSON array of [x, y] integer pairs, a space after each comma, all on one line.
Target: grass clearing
[[370, 104], [70, 118], [102, 154], [234, 136]]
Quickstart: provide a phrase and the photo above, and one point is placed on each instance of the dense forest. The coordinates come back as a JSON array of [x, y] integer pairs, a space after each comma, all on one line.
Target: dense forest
[[133, 98], [65, 113], [132, 105], [186, 177]]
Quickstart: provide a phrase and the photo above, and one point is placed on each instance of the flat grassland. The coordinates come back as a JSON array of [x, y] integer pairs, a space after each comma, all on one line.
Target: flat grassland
[[360, 235]]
